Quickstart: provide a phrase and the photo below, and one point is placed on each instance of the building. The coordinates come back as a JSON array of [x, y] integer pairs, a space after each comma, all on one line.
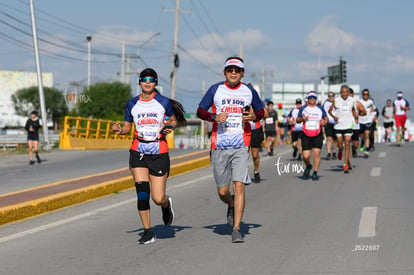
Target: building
[[10, 82]]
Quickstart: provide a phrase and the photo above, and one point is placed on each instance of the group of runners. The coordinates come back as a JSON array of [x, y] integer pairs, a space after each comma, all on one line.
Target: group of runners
[[240, 122], [346, 124]]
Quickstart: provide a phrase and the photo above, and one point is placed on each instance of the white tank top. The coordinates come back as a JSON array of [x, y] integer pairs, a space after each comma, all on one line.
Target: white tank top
[[343, 110]]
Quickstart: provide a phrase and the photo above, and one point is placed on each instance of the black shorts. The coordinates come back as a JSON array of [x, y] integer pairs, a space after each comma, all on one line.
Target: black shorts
[[296, 135], [366, 127], [256, 138], [329, 130], [270, 133], [34, 137], [312, 142], [388, 124], [281, 125], [355, 135], [158, 165]]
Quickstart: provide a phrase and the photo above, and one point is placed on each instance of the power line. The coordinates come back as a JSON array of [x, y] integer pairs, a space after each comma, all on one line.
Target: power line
[[215, 27]]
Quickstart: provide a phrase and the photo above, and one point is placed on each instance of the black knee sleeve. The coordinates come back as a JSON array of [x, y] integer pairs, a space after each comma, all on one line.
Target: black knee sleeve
[[143, 195]]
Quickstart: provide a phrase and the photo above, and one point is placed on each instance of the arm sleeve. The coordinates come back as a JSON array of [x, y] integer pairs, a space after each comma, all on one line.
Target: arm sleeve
[[259, 114], [203, 114]]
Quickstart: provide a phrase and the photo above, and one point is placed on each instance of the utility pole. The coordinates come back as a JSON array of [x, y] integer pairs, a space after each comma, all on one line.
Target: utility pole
[[123, 62], [202, 132], [263, 75], [89, 39], [39, 79], [175, 61]]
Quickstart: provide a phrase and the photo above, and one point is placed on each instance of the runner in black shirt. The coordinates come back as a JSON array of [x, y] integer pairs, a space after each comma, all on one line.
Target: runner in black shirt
[[32, 128]]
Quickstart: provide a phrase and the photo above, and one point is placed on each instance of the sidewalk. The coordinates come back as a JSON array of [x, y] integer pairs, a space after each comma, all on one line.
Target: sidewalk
[[40, 199]]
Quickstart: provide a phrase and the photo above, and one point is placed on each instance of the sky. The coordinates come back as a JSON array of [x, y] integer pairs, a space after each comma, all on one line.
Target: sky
[[285, 41]]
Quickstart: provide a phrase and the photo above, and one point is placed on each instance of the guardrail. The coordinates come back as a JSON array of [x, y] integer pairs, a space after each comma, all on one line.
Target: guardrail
[[89, 133], [90, 128], [14, 141]]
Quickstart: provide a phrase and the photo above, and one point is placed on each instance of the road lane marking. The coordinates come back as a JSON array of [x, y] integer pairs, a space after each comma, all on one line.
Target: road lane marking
[[64, 221], [368, 222], [188, 182], [376, 172], [382, 154]]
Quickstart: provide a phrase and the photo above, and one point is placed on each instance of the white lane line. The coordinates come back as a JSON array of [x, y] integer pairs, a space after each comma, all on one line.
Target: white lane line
[[86, 214], [188, 182], [376, 172], [368, 222], [64, 221], [382, 154]]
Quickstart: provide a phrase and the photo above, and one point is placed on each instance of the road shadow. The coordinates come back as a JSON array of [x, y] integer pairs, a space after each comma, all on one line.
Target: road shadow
[[336, 168], [226, 229], [161, 231], [310, 177]]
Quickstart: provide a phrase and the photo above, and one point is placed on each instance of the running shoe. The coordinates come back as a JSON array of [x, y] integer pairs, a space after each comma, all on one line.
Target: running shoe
[[307, 172], [257, 178], [315, 176], [236, 236], [346, 169], [361, 148], [295, 152], [38, 159], [333, 155], [366, 154], [328, 156], [147, 237], [349, 165], [168, 213], [299, 157], [340, 155], [31, 162]]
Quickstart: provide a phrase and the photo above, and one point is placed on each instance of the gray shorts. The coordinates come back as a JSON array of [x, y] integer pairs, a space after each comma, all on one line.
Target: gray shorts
[[230, 165]]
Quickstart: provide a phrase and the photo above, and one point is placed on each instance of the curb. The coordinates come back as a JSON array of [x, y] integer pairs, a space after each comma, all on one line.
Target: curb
[[53, 202]]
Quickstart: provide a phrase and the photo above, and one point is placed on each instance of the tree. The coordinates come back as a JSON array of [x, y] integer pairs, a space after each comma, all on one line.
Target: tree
[[104, 101], [27, 99]]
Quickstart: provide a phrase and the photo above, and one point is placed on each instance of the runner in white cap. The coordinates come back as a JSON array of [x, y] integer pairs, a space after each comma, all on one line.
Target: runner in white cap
[[401, 106]]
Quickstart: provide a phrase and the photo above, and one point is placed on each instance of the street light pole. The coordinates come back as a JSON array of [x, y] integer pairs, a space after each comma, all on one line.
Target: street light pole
[[89, 39], [39, 79]]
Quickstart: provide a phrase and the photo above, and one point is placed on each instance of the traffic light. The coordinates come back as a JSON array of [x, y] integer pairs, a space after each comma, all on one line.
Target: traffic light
[[342, 67]]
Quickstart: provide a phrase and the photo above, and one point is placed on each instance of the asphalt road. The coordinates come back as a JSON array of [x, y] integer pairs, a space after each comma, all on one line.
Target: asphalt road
[[359, 223], [16, 173]]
